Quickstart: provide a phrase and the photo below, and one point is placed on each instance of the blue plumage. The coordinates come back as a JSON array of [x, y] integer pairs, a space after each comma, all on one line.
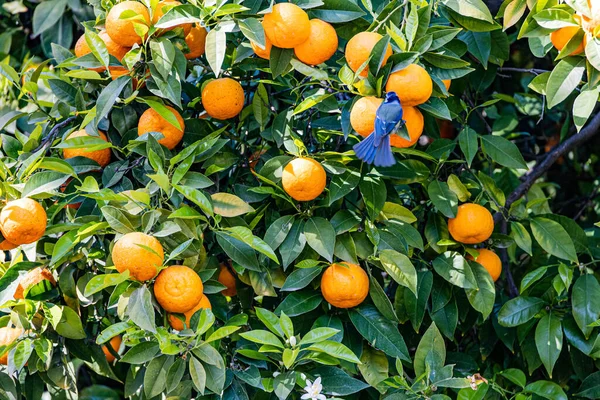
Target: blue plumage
[[376, 148]]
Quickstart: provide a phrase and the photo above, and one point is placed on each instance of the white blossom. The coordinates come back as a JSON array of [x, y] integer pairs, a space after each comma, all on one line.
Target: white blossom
[[293, 341], [313, 390]]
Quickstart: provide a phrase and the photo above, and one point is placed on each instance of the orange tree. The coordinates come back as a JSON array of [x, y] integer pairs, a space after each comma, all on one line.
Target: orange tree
[[183, 214]]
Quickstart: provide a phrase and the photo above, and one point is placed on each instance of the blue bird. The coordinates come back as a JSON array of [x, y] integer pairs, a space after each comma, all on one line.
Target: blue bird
[[376, 148]]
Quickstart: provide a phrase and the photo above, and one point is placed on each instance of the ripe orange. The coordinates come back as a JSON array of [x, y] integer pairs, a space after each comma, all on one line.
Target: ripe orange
[[286, 25], [303, 179], [561, 37], [447, 83], [473, 224], [227, 279], [102, 157], [262, 53], [114, 49], [414, 125], [359, 48], [196, 42], [32, 278], [178, 289], [23, 221], [5, 245], [412, 84], [162, 8], [131, 252], [344, 285], [115, 344], [152, 121], [122, 31], [8, 336], [223, 98], [362, 115], [177, 324], [321, 45], [490, 261]]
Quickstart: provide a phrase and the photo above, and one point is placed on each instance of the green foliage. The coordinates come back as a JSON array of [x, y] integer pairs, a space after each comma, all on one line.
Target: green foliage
[[434, 325]]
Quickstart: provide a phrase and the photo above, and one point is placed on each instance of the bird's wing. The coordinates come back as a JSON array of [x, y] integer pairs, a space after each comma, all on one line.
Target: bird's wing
[[387, 118]]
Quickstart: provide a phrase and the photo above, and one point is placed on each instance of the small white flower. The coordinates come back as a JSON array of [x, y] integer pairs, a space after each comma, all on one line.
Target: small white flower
[[293, 341], [313, 390]]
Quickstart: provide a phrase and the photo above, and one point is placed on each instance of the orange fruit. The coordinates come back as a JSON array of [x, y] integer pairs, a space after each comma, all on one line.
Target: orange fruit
[[227, 279], [321, 45], [114, 49], [7, 337], [23, 221], [196, 42], [32, 278], [138, 253], [102, 157], [223, 98], [178, 289], [473, 224], [344, 285], [303, 179], [177, 324], [414, 125], [117, 72], [359, 48], [362, 115], [490, 261], [162, 8], [262, 53], [5, 245], [122, 31], [413, 85], [152, 121], [115, 344], [286, 25], [561, 37], [447, 83]]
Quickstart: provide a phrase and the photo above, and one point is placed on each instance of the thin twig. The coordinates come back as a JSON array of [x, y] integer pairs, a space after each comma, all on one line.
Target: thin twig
[[534, 71], [512, 287], [591, 129], [53, 132]]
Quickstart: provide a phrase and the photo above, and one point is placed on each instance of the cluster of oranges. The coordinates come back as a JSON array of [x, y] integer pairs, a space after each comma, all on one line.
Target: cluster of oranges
[[287, 26]]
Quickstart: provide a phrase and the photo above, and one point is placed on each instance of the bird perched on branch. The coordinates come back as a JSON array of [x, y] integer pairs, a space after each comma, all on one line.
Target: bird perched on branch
[[376, 148]]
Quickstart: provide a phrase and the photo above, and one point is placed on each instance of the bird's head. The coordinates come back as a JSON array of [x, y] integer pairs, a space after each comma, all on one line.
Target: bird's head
[[391, 97]]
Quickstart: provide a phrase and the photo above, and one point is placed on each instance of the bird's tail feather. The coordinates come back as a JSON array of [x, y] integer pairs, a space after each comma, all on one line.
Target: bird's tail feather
[[366, 150], [383, 155]]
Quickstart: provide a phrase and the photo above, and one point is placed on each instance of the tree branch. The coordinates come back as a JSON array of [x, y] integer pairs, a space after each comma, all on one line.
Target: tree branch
[[534, 71], [540, 168], [53, 132]]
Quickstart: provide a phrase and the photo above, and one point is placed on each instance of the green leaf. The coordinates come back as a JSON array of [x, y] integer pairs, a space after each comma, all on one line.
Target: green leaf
[[482, 299], [444, 199], [155, 378], [335, 349], [320, 235], [431, 349], [140, 309], [374, 195], [262, 337], [470, 8], [563, 80], [547, 390], [299, 303], [337, 382], [237, 250], [553, 238], [300, 278], [467, 140], [521, 237], [318, 335], [374, 367], [198, 374], [102, 281], [503, 151], [229, 205], [548, 340], [141, 353], [108, 96], [216, 47], [515, 375], [43, 182], [400, 269], [454, 268], [293, 244], [279, 60], [583, 106], [47, 14], [343, 184], [338, 11], [519, 310], [590, 387], [585, 302], [380, 332]]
